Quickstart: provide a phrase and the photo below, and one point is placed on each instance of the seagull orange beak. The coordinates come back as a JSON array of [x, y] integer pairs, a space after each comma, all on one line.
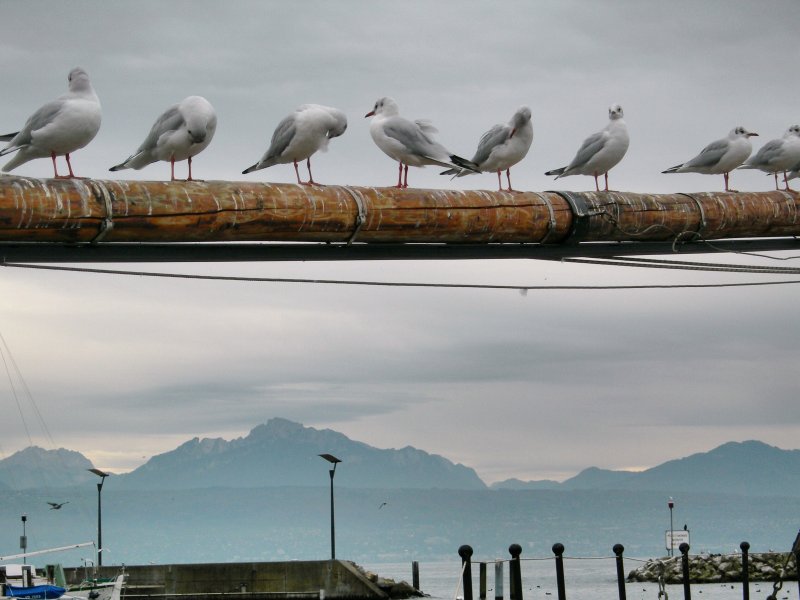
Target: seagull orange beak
[[370, 114]]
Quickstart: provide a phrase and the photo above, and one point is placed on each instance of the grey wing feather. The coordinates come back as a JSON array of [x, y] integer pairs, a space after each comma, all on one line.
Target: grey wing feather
[[710, 155], [170, 120], [496, 136], [407, 134], [37, 120], [768, 153], [591, 146], [281, 138]]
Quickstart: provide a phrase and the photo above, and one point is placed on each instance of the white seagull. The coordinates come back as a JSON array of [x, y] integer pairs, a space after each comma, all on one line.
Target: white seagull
[[720, 157], [409, 142], [299, 135], [58, 128], [778, 156], [503, 146], [601, 151], [181, 132]]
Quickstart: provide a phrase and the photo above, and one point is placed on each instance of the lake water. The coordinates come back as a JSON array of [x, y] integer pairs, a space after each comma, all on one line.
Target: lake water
[[585, 579]]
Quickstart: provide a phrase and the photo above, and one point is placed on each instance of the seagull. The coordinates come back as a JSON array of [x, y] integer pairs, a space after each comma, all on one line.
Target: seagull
[[57, 505], [721, 156], [58, 128], [502, 147], [778, 155], [382, 505], [299, 135], [181, 132], [601, 151], [409, 142]]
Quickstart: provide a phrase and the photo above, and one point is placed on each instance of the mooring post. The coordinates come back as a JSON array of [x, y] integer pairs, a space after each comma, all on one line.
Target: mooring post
[[498, 580], [415, 574], [558, 550], [796, 552], [745, 571], [618, 550], [465, 552], [482, 580], [687, 591], [515, 572]]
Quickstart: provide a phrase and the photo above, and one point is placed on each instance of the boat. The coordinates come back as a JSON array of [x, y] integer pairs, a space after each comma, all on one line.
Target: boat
[[33, 592], [97, 589]]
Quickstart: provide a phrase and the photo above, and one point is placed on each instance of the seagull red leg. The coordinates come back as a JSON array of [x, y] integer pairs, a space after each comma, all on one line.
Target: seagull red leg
[[55, 169], [405, 177], [297, 173], [72, 175], [190, 169], [172, 168], [310, 176], [499, 180]]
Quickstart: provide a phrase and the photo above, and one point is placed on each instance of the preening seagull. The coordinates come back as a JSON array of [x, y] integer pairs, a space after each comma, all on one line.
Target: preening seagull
[[410, 143], [57, 505], [720, 157], [299, 135], [601, 151], [503, 146], [180, 133], [58, 128], [778, 156]]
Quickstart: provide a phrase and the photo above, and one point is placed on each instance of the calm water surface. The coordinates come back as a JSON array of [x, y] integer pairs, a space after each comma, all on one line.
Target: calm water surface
[[585, 579]]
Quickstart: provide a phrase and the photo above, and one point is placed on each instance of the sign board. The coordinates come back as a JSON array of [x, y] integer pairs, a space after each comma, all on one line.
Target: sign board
[[679, 536]]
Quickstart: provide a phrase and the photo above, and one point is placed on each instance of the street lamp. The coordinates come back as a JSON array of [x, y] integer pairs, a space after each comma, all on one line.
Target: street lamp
[[102, 475], [671, 505], [23, 540], [333, 460]]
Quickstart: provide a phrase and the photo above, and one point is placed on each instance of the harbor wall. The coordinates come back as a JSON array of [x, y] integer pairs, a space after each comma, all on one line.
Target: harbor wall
[[252, 581]]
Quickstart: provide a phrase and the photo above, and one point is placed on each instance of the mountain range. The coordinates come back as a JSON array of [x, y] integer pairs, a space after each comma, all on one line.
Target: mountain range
[[285, 453]]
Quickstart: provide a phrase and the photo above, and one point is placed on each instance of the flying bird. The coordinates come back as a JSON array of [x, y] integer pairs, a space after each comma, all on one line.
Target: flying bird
[[299, 135], [778, 156], [382, 505], [410, 143], [58, 128], [503, 146], [180, 133], [57, 505], [720, 157], [601, 151]]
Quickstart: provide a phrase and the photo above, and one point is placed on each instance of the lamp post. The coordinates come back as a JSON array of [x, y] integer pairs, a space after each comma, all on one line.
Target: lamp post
[[333, 460], [671, 505], [102, 475], [23, 540]]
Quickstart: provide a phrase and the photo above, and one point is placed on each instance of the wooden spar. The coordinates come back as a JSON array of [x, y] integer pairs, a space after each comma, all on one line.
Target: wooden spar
[[107, 211]]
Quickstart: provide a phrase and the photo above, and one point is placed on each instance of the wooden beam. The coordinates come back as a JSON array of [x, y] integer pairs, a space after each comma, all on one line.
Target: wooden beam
[[146, 212]]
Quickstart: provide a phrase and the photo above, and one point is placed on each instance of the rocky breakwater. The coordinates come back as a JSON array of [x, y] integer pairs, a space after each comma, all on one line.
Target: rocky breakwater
[[718, 568], [395, 590]]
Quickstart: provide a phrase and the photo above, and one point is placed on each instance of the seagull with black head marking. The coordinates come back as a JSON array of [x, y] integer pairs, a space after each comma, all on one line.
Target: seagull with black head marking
[[600, 152], [503, 146], [300, 135], [778, 156], [182, 131], [58, 128], [410, 143], [720, 157]]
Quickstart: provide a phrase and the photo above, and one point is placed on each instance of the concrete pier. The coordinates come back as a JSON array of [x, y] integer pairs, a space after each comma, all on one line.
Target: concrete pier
[[329, 579]]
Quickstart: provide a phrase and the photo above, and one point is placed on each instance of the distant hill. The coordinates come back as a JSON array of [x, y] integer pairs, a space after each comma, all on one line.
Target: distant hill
[[284, 453], [35, 467], [748, 468]]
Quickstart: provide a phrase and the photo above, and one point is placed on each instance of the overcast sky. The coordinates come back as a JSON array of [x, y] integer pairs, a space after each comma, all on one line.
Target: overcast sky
[[531, 386]]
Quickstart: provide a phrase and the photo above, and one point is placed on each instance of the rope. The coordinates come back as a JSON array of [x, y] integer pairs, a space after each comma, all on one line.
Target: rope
[[479, 286]]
